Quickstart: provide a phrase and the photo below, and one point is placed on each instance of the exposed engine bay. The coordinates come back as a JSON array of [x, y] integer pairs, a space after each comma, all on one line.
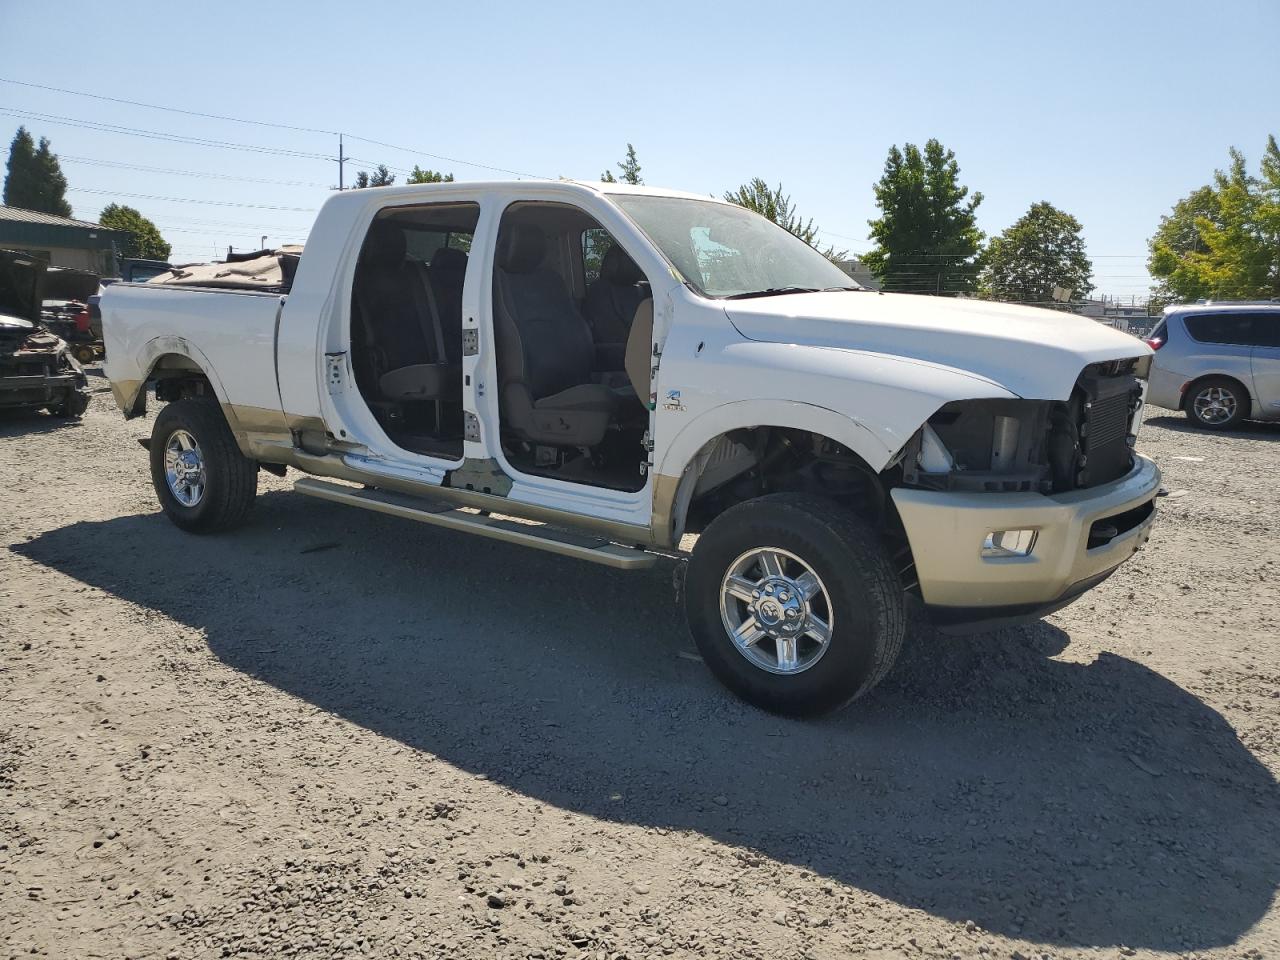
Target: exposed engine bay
[[36, 366], [1042, 446]]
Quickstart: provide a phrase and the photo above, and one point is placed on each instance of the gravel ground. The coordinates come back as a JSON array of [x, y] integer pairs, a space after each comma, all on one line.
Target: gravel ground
[[331, 733]]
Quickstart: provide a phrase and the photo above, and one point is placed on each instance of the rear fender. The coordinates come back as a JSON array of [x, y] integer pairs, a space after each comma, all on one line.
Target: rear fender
[[172, 353]]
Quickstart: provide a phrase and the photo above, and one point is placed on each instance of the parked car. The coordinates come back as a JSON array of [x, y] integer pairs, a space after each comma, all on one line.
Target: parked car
[[36, 366], [1218, 362], [457, 355]]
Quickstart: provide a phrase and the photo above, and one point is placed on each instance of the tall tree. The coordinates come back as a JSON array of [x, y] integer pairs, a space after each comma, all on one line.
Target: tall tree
[[144, 237], [420, 175], [34, 180], [1043, 249], [629, 167], [927, 238], [381, 177], [1223, 240], [773, 203]]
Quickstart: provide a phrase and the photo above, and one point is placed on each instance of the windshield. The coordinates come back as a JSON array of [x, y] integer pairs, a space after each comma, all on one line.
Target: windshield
[[728, 251]]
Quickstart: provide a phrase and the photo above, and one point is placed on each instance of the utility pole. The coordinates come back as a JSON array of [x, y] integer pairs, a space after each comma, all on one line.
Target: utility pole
[[341, 160]]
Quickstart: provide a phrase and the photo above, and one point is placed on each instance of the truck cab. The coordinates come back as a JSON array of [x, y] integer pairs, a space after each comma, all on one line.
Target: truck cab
[[602, 370]]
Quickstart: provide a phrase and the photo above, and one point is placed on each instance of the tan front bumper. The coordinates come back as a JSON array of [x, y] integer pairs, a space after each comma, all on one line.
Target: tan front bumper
[[946, 531]]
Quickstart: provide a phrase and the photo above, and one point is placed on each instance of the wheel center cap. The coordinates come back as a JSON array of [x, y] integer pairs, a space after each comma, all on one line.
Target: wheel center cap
[[780, 609], [188, 464]]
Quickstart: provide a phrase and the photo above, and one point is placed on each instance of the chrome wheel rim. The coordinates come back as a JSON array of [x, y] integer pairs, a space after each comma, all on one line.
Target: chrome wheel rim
[[184, 468], [776, 611], [1215, 405]]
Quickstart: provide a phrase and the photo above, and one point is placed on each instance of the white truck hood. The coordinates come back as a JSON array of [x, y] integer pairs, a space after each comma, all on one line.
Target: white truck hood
[[1036, 354]]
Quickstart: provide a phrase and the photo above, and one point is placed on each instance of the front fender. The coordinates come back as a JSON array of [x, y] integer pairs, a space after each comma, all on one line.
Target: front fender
[[871, 403], [851, 433]]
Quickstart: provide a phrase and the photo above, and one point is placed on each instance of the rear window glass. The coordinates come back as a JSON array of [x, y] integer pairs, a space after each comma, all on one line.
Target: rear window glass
[[595, 244], [1239, 329]]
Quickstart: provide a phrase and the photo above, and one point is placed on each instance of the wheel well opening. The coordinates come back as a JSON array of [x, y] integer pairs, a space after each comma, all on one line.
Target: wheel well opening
[[177, 377], [747, 463], [1189, 390]]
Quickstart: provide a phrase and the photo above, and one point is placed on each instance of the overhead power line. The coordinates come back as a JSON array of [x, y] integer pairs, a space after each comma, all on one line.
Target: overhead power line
[[258, 123], [216, 203], [436, 156], [160, 135], [156, 106], [202, 174], [234, 224]]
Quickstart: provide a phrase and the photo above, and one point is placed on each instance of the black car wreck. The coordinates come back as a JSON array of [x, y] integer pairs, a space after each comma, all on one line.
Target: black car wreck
[[36, 367]]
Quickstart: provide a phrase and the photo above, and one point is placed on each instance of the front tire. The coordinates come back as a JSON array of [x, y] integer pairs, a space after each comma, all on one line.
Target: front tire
[[203, 481], [71, 407], [793, 604], [1216, 403]]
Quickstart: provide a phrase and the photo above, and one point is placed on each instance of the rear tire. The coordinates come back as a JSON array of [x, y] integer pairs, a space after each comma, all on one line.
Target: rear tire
[[785, 570], [1216, 403], [203, 481]]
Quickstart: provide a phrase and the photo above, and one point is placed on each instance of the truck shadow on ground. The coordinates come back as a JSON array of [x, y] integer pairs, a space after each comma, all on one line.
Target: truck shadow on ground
[[1077, 804]]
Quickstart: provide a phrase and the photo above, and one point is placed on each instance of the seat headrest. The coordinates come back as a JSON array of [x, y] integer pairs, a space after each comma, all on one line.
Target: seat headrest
[[449, 259], [618, 268], [384, 247], [521, 247]]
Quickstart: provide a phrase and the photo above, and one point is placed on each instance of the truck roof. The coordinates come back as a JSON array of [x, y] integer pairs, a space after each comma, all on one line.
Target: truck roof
[[572, 186]]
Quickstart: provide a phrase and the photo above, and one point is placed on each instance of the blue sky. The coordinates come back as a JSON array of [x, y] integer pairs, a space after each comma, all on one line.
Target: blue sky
[[1110, 110]]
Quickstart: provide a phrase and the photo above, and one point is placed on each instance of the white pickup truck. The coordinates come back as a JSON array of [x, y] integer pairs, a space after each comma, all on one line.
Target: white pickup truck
[[600, 370]]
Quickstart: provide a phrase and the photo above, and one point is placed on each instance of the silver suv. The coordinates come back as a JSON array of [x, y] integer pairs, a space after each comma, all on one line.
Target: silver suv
[[1220, 363]]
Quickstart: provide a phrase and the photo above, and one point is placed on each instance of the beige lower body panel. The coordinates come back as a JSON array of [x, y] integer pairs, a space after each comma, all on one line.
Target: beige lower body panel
[[272, 437], [946, 531]]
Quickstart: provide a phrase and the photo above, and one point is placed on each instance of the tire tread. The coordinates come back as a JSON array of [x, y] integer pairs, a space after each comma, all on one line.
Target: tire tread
[[859, 542], [233, 498]]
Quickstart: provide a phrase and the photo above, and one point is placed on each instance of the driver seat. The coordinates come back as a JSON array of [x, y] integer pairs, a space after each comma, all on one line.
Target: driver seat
[[545, 349]]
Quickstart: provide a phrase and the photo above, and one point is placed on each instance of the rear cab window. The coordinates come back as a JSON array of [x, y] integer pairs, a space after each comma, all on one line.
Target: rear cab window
[[595, 244]]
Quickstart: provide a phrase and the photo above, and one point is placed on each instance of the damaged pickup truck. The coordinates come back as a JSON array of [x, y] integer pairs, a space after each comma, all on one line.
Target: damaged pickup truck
[[36, 366], [598, 370]]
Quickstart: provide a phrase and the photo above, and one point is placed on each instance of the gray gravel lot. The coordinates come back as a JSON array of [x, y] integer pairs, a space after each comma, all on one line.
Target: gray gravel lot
[[331, 733]]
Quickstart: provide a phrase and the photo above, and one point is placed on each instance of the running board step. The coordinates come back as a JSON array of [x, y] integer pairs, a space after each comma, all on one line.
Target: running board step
[[536, 535]]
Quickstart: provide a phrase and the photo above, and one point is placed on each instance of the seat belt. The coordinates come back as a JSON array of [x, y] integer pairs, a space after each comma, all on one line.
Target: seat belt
[[431, 317]]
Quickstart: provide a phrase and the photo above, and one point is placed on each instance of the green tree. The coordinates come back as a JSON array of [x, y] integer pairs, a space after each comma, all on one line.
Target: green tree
[[381, 177], [144, 237], [629, 167], [34, 180], [1223, 240], [774, 204], [420, 175], [927, 238], [1043, 249]]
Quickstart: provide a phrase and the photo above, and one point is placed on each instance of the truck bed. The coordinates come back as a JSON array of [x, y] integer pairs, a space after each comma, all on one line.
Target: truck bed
[[229, 333]]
